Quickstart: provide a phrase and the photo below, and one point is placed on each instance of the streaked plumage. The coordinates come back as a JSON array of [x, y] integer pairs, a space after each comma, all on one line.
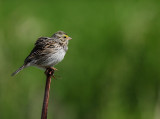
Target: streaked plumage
[[47, 52]]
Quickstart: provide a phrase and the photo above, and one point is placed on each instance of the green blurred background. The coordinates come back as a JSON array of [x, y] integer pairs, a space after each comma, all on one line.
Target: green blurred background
[[111, 70]]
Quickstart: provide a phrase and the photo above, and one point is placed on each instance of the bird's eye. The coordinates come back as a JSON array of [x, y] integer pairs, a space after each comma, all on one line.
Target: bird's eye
[[64, 37]]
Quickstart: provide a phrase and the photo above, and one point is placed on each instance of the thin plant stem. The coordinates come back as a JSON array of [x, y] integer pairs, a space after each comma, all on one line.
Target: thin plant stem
[[49, 73]]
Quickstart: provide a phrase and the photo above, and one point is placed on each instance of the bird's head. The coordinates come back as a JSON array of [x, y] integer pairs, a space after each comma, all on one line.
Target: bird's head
[[61, 36]]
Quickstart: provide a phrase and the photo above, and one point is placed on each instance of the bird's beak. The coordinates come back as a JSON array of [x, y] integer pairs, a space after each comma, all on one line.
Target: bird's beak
[[69, 38]]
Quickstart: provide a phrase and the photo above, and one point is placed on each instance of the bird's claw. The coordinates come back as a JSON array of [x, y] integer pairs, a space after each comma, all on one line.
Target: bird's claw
[[54, 69], [50, 72]]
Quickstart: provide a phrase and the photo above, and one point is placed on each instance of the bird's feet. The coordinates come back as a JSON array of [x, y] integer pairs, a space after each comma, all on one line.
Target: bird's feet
[[54, 68], [50, 71]]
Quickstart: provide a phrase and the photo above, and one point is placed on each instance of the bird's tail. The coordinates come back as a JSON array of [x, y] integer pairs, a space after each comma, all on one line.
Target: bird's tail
[[18, 70]]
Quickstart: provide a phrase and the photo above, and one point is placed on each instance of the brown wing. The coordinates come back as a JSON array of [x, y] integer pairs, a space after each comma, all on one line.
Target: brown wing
[[43, 46]]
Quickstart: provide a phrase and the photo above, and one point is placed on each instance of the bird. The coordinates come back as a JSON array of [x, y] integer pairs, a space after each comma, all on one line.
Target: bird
[[47, 52]]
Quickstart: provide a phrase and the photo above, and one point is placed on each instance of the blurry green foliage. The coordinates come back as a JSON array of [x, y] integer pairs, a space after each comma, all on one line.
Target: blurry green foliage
[[111, 70]]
